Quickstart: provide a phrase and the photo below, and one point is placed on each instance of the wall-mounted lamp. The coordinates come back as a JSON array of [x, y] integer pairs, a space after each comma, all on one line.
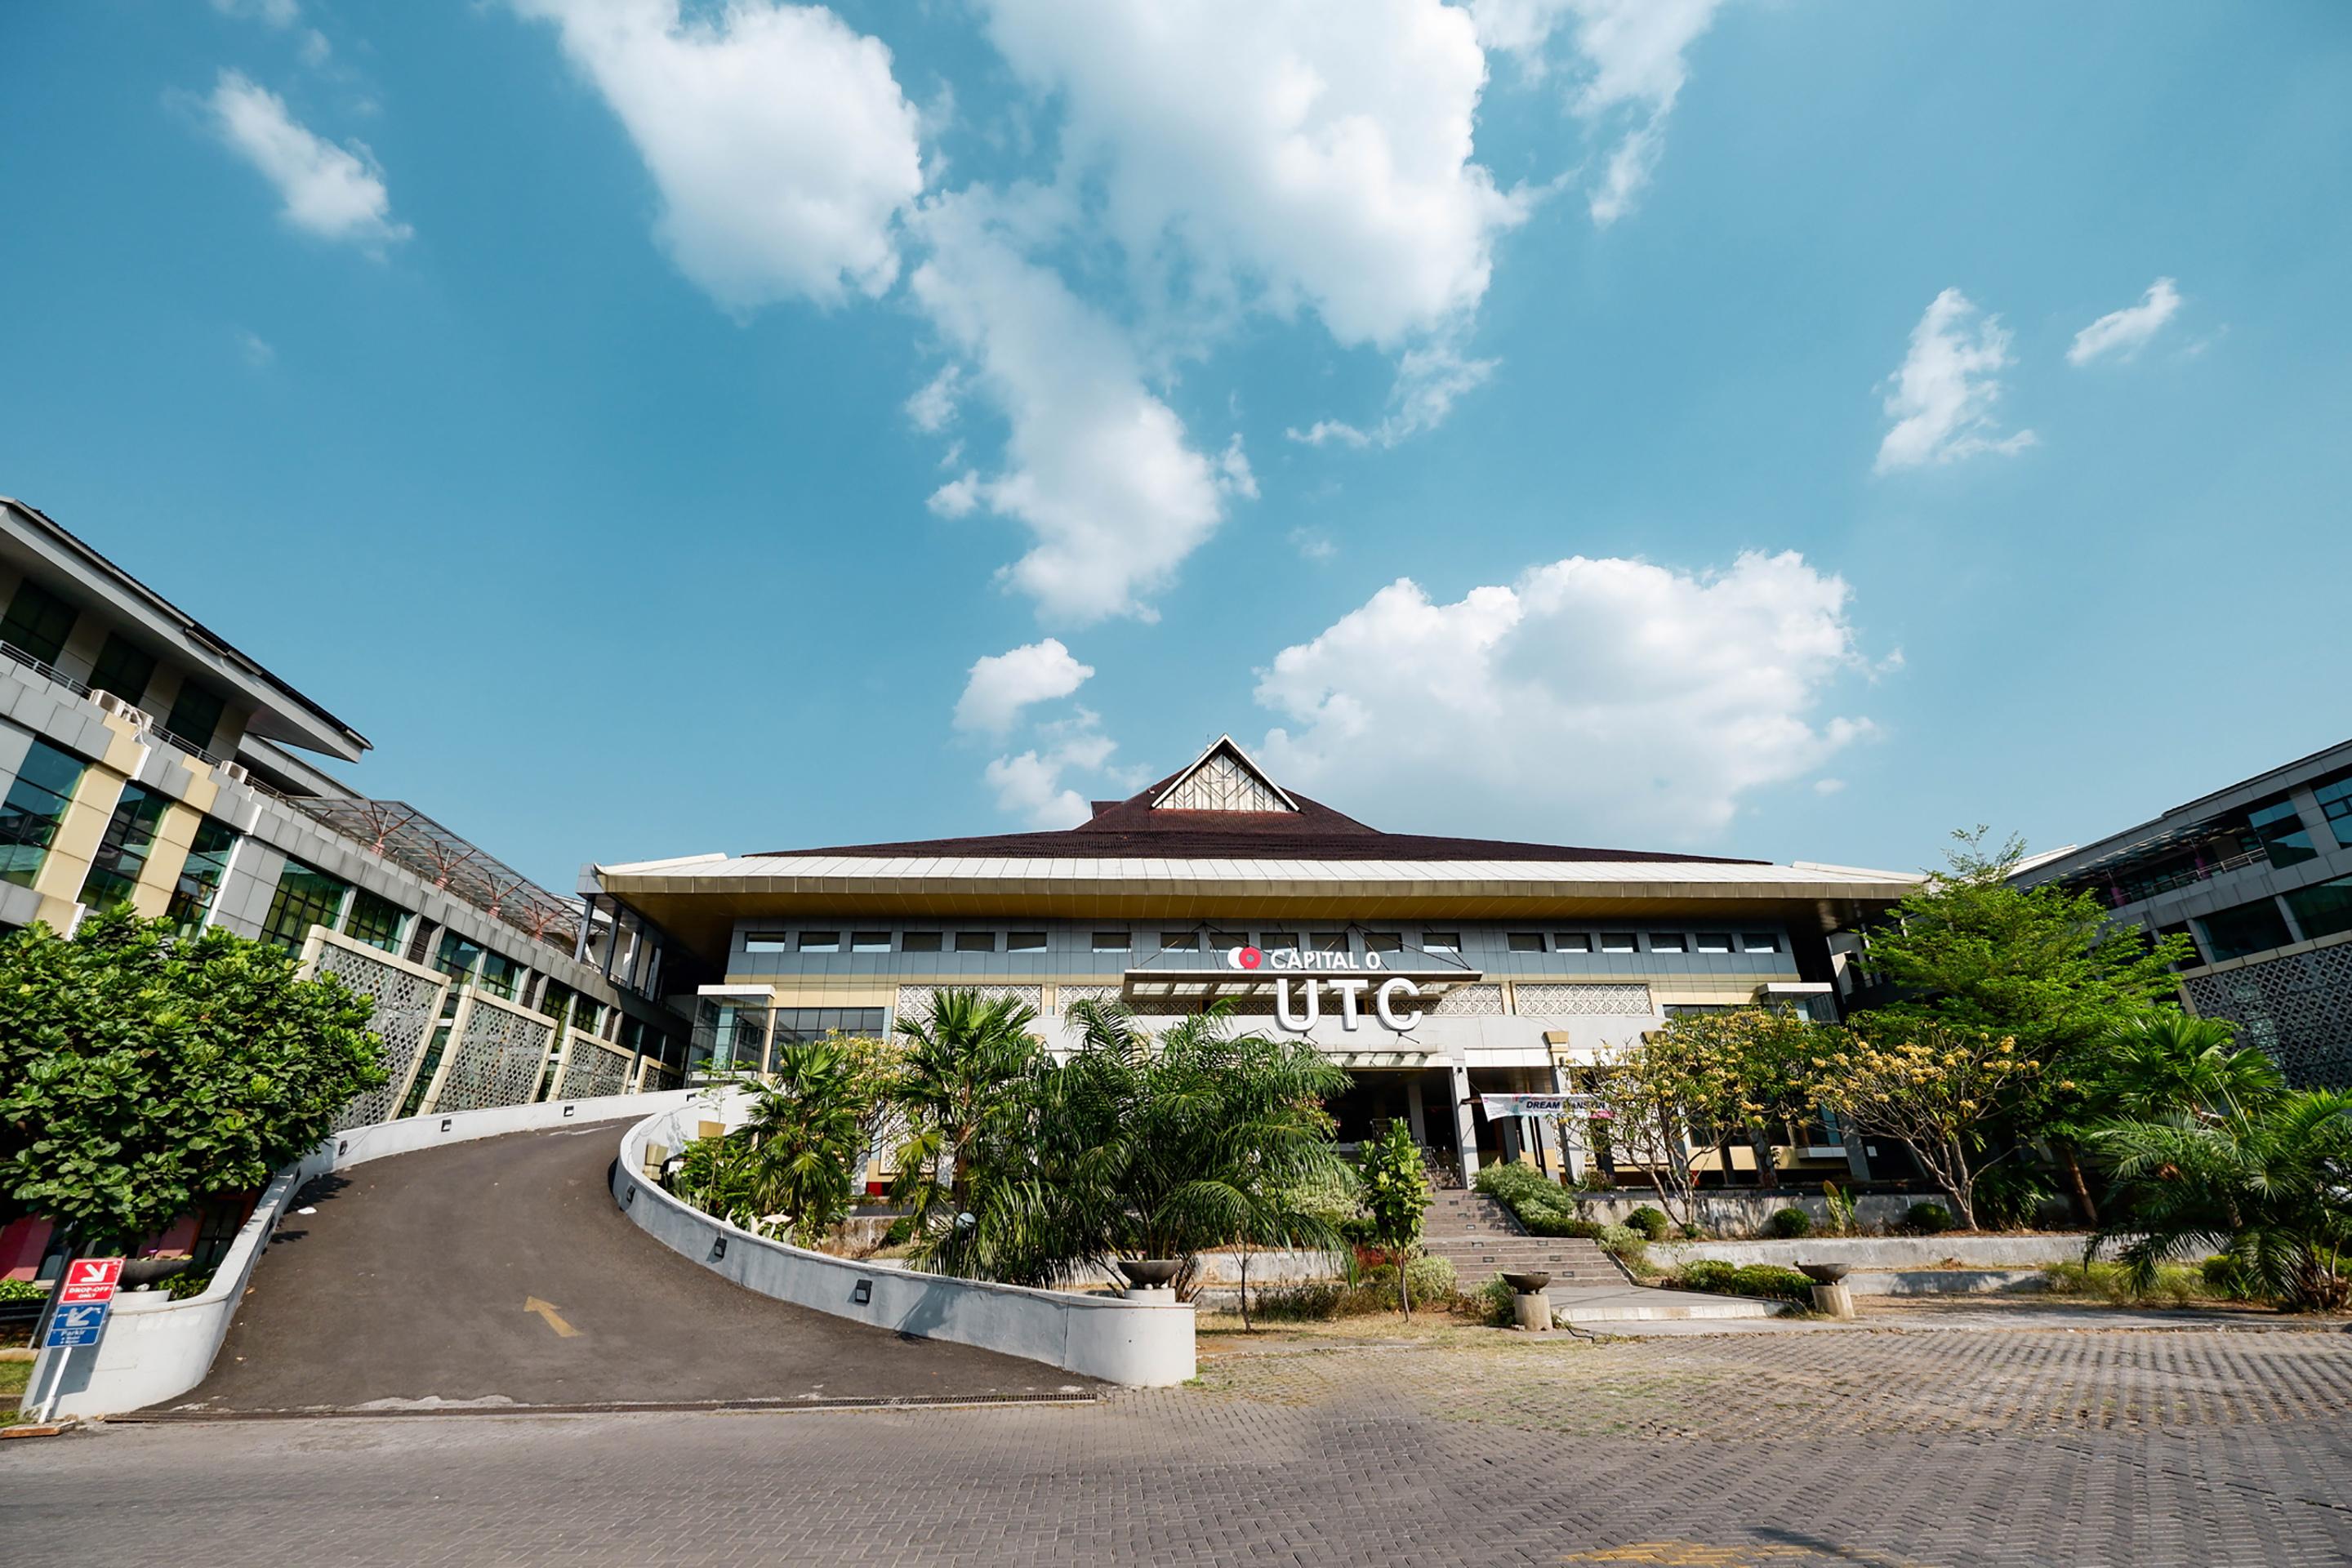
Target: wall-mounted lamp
[[719, 1249], [630, 1196], [569, 1109], [864, 1294], [343, 1146], [445, 1125]]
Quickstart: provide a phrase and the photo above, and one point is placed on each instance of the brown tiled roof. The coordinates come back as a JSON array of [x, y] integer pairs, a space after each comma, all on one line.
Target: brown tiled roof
[[1132, 829]]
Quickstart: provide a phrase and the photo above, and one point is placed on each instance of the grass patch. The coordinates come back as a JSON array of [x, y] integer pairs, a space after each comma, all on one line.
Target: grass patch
[[2176, 1285], [14, 1375]]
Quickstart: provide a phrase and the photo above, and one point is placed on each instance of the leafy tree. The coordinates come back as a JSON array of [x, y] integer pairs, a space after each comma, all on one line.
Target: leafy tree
[[1935, 1089], [966, 1090], [1651, 1099], [2168, 1064], [1395, 1184], [2267, 1185], [804, 1134], [2042, 966], [142, 1072]]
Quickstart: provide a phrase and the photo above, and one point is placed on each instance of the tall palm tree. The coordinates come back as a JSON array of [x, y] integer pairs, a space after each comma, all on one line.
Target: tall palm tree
[[2168, 1063], [965, 1085], [803, 1135]]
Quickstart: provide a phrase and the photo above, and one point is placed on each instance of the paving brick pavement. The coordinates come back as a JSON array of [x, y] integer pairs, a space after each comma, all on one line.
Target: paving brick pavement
[[1885, 1449]]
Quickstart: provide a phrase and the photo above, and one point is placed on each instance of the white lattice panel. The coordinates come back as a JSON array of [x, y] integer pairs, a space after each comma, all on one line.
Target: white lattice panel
[[495, 1058], [1066, 994], [590, 1067], [915, 1001], [1623, 1001], [408, 1005], [1470, 1001], [1222, 784]]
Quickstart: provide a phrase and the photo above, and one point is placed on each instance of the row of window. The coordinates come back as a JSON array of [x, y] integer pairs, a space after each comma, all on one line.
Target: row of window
[[2323, 909], [39, 622], [1448, 943]]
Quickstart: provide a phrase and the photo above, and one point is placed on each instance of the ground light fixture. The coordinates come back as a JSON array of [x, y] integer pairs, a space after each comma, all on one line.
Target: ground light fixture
[[864, 1294]]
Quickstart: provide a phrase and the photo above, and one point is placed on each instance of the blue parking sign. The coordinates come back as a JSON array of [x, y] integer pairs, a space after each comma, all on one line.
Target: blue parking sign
[[77, 1324]]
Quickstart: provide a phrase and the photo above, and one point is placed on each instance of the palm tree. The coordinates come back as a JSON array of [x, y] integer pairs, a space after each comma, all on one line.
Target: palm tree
[[803, 1135], [2168, 1063], [966, 1089], [2270, 1185]]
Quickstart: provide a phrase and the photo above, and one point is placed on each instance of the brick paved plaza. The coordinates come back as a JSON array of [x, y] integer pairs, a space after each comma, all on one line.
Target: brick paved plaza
[[1888, 1447]]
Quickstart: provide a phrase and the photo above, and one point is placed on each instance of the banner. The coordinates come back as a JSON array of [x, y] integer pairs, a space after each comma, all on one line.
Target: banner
[[1532, 1104]]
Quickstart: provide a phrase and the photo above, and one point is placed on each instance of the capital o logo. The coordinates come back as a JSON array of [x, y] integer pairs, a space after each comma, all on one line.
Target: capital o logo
[[1244, 958]]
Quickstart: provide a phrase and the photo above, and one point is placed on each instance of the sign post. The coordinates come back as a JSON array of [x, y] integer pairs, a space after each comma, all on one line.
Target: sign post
[[78, 1317]]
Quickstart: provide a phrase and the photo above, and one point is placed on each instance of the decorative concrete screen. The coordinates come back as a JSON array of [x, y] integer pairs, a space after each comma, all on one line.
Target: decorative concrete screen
[[1470, 1000], [2298, 1008], [589, 1068], [915, 1001], [495, 1054], [1615, 1001], [1066, 995], [408, 1005]]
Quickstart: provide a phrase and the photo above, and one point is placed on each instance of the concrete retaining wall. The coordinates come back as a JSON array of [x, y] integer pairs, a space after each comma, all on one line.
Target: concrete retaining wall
[[1886, 1251], [1137, 1343], [157, 1349], [1746, 1213]]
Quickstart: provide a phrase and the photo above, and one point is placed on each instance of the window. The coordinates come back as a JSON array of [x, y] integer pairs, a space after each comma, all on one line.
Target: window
[[869, 942], [1441, 941], [375, 921], [201, 873], [919, 941], [37, 621], [1759, 942], [2249, 928], [305, 897], [1278, 941], [796, 1024], [2182, 929], [1112, 941], [1227, 940], [1025, 941], [584, 1009], [1713, 941], [196, 715], [2335, 805], [1668, 941], [767, 941], [501, 976], [555, 996], [458, 956], [124, 669], [975, 941], [1525, 941], [37, 801], [1697, 1009], [820, 941], [1179, 940], [1383, 942], [123, 848], [1619, 942], [2284, 837], [1570, 941], [2323, 909], [1329, 941]]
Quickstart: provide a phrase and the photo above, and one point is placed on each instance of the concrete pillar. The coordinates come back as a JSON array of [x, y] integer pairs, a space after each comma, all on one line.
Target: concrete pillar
[[1466, 1129], [1573, 1155], [1416, 1112]]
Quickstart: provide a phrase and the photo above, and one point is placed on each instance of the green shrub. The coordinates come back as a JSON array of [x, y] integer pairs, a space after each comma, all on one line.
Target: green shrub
[[181, 1286], [2177, 1284], [24, 1290], [1772, 1282], [1926, 1219], [900, 1232], [1627, 1245], [2225, 1276], [1553, 1222], [1492, 1303], [1542, 1204], [1706, 1274], [1790, 1222], [1651, 1222], [1315, 1301], [1430, 1280]]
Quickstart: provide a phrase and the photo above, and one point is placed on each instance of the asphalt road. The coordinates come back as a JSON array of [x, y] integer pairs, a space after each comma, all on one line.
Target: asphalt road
[[414, 1281]]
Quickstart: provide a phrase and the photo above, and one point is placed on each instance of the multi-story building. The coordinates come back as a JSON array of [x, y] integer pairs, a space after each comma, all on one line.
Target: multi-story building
[[1459, 981], [2259, 876], [144, 759]]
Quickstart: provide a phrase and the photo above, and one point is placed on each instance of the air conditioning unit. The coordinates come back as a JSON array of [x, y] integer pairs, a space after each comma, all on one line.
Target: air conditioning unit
[[108, 702], [236, 772]]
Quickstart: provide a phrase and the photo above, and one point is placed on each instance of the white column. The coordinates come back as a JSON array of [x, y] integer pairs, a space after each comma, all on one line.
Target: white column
[[1416, 1112], [1466, 1129]]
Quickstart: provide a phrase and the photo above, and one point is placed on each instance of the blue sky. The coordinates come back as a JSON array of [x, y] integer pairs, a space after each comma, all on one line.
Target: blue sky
[[1669, 424]]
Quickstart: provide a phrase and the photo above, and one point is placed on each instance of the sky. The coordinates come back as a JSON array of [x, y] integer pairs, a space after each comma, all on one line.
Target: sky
[[1786, 428]]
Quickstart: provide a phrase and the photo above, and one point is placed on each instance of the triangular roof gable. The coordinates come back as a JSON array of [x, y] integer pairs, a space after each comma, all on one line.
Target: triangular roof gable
[[1223, 778]]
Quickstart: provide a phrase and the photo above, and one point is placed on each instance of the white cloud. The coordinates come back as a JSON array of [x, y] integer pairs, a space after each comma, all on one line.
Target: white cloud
[[315, 49], [273, 13], [332, 192], [1031, 783], [1429, 381], [258, 354], [781, 143], [1313, 544], [1942, 397], [1828, 786], [2126, 330], [1000, 685], [933, 407], [1587, 699], [1631, 68], [1097, 467]]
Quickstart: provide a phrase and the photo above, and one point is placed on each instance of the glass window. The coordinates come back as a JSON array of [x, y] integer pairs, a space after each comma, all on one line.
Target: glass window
[[584, 1009], [123, 668], [767, 941], [123, 847], [501, 976], [1714, 941], [38, 622], [1619, 942], [1571, 942], [1227, 940], [975, 941], [1441, 941], [1179, 940], [1667, 942], [305, 896], [1278, 941], [2323, 909], [2335, 805], [456, 957], [1525, 941], [37, 801], [869, 942], [555, 996], [2249, 928], [1330, 940], [2284, 837], [820, 941], [919, 941], [793, 1023], [201, 873], [1112, 941], [196, 715], [1383, 942], [1025, 941], [1759, 942], [2182, 929], [375, 921]]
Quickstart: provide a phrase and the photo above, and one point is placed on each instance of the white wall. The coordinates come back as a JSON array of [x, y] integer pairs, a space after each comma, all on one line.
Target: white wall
[[1142, 1343], [156, 1348]]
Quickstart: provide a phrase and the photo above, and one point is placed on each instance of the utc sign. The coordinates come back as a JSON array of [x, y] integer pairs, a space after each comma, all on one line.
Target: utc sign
[[1299, 1001]]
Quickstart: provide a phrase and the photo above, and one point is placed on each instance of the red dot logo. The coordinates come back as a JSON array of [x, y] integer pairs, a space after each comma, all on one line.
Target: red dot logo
[[1247, 958]]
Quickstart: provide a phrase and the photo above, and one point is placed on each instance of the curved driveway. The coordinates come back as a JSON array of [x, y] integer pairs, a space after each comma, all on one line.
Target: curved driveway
[[500, 1272]]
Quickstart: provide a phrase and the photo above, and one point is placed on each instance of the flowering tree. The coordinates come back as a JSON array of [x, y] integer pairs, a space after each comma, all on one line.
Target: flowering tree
[[1676, 1083], [1935, 1089]]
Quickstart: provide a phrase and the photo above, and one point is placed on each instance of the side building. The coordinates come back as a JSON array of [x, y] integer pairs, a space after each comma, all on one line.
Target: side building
[[144, 758], [2259, 876], [1461, 982]]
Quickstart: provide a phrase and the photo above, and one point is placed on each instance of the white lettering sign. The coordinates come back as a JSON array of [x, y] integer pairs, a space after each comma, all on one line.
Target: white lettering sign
[[1301, 1013]]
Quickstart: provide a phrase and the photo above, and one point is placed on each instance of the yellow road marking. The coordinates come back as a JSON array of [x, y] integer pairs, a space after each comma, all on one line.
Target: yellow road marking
[[563, 1331]]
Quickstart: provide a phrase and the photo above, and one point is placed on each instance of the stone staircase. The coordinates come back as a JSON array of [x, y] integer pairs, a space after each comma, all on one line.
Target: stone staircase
[[1481, 1238]]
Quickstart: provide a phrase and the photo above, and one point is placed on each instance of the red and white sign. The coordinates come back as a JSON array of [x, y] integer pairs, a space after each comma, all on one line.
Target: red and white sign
[[90, 1279]]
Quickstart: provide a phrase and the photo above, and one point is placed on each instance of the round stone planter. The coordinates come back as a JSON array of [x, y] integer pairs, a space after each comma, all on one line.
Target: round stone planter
[[1150, 1273], [1527, 1284], [1823, 1273]]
